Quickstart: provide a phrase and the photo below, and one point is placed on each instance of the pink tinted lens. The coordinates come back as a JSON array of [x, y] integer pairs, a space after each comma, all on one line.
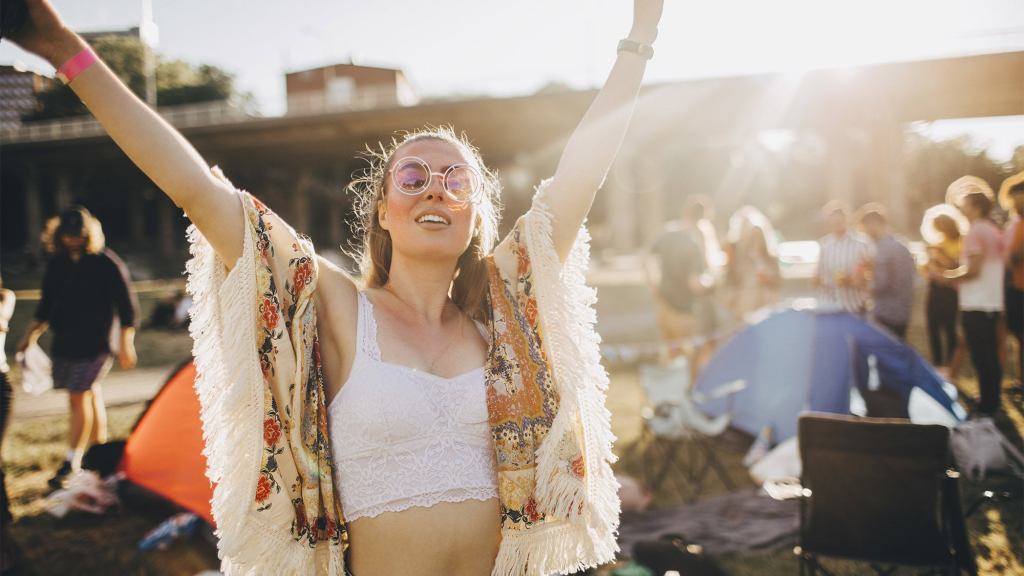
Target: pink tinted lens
[[463, 182], [411, 176]]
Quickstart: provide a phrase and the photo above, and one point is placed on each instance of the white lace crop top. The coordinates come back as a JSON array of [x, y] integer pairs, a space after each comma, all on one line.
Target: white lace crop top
[[402, 437]]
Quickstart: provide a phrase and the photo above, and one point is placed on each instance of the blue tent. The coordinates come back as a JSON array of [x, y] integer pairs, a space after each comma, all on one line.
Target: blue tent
[[800, 360]]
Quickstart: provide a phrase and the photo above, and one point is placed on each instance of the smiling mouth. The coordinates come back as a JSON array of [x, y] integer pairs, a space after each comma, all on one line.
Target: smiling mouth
[[432, 219]]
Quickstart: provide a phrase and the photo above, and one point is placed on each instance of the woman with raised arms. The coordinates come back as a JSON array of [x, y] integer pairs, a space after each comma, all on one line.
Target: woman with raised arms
[[442, 414]]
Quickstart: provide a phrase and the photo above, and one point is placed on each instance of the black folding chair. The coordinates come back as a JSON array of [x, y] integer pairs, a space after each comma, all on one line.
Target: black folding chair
[[881, 492]]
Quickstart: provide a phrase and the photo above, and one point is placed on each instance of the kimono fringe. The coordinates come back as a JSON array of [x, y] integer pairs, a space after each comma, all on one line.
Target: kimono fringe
[[560, 547], [568, 316], [229, 386]]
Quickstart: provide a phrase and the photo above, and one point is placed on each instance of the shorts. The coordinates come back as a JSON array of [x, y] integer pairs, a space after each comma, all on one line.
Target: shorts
[[675, 301], [79, 374], [705, 312]]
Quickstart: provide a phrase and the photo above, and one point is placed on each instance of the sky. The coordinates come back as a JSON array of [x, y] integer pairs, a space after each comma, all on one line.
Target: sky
[[496, 47]]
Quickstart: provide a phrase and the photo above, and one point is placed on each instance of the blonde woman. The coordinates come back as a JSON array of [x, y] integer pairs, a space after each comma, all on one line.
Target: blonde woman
[[85, 286], [752, 274], [444, 416], [943, 228]]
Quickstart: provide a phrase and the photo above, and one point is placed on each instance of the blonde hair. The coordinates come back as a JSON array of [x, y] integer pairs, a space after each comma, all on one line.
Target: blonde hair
[[75, 220], [931, 230], [1013, 183], [469, 288], [964, 186], [749, 218]]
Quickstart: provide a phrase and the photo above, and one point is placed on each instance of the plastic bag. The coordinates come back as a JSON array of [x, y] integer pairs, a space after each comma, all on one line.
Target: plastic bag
[[84, 491], [781, 462], [36, 375]]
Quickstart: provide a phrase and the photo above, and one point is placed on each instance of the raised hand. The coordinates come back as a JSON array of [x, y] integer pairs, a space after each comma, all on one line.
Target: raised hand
[[591, 149], [148, 140], [44, 33]]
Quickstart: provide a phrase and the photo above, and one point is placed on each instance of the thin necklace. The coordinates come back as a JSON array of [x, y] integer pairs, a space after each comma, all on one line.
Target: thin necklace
[[451, 339]]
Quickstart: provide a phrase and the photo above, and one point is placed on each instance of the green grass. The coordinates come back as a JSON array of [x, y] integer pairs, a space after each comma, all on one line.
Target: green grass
[[82, 543], [997, 531]]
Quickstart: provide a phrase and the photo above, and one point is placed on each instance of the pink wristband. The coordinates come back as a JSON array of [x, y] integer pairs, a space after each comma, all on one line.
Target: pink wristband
[[75, 65]]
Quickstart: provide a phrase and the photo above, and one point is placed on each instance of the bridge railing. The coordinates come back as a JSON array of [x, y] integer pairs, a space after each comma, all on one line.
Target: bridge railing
[[184, 116]]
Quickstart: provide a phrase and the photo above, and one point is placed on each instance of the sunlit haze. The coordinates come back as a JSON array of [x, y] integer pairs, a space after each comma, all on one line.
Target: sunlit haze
[[464, 47]]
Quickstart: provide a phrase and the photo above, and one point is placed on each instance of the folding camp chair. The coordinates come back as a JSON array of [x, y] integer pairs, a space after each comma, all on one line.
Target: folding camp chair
[[880, 491], [673, 422]]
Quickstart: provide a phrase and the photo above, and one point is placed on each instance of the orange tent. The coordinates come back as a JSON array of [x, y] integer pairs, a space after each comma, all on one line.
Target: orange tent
[[164, 453]]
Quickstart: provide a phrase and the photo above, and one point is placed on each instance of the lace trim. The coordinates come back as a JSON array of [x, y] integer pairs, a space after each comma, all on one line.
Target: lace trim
[[368, 337], [426, 501]]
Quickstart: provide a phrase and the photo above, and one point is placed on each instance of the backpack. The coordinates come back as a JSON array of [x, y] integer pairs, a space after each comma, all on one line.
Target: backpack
[[980, 449], [671, 552]]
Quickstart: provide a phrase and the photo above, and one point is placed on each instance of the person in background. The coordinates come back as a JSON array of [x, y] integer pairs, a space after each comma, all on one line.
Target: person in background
[[677, 272], [171, 312], [943, 228], [1011, 197], [893, 271], [85, 286], [706, 305], [979, 279], [843, 262], [8, 551], [752, 274]]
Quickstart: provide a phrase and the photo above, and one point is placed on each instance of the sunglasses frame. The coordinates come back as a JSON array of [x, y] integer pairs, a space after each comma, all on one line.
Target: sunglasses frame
[[473, 196]]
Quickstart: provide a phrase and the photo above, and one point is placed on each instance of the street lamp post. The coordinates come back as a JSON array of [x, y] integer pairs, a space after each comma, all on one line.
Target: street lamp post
[[150, 36]]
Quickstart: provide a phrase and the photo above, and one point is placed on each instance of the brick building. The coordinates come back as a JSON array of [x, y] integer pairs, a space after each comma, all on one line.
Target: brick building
[[346, 86]]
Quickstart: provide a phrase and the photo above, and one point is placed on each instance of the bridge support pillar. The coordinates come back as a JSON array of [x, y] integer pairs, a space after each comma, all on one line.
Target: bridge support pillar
[[33, 212]]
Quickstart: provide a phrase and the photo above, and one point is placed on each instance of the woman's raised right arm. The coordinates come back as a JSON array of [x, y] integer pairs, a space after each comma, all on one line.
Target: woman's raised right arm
[[149, 141]]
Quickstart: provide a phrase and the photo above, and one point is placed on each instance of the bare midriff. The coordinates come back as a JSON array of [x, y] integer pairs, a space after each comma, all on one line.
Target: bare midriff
[[452, 538]]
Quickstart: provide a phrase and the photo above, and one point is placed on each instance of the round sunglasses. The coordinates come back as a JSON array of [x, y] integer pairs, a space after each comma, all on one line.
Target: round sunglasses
[[412, 175]]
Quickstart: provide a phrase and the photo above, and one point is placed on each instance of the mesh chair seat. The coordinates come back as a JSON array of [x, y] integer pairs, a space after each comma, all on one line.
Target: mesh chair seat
[[673, 422]]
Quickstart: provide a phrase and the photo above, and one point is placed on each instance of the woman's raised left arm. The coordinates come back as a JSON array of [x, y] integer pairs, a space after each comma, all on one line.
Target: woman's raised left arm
[[593, 145]]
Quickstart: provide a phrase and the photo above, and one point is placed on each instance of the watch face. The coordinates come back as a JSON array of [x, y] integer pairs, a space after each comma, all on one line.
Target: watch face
[[644, 50]]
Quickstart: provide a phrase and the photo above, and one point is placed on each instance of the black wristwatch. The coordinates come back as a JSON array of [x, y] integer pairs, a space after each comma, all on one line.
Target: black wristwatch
[[645, 51]]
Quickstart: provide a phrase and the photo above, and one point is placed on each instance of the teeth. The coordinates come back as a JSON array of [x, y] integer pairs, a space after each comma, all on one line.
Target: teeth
[[432, 218]]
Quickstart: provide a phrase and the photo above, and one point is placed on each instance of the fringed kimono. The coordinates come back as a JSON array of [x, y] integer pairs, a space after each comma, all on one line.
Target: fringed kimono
[[261, 388]]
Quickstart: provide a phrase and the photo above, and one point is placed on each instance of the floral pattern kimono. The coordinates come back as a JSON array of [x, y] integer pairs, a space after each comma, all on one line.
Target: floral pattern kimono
[[261, 390]]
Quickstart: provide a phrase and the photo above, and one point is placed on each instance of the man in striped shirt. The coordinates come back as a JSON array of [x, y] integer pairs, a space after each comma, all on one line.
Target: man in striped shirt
[[843, 263]]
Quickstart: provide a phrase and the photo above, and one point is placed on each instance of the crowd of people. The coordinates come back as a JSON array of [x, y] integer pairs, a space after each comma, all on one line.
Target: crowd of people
[[698, 284], [973, 265]]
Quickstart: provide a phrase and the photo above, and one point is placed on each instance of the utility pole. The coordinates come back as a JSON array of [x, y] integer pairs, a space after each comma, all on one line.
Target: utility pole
[[150, 36]]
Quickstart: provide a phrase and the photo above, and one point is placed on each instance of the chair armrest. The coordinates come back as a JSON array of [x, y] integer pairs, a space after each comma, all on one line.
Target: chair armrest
[[724, 391], [785, 489], [659, 410]]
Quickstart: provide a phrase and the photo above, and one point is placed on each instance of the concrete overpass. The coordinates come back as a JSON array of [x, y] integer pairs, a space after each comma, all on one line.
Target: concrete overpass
[[300, 164]]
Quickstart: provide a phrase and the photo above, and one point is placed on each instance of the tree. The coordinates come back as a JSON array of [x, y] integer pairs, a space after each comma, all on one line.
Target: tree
[[1017, 162], [177, 82], [932, 165]]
